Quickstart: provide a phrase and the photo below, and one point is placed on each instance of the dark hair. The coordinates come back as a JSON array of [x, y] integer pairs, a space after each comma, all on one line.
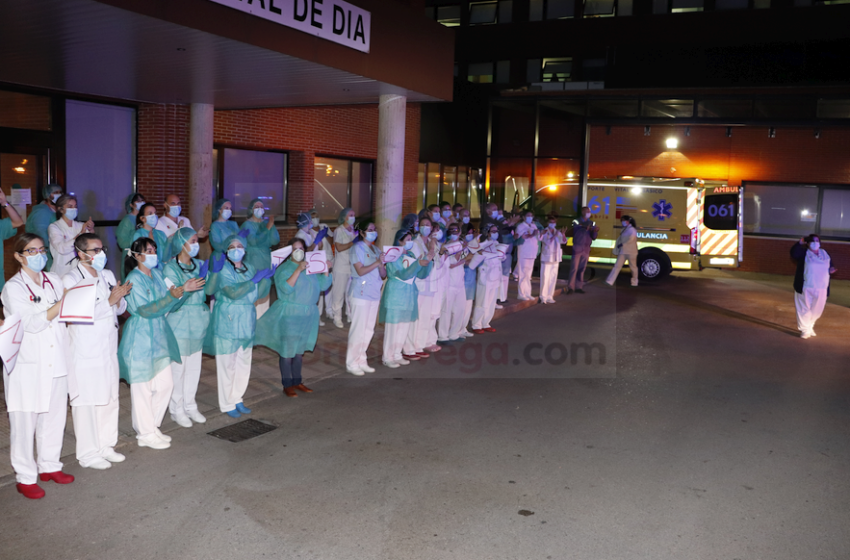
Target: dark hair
[[467, 228], [444, 203], [62, 201], [432, 206], [138, 246], [23, 240], [453, 225], [811, 237], [552, 216], [81, 243], [630, 220], [299, 240], [140, 217], [430, 222], [457, 205]]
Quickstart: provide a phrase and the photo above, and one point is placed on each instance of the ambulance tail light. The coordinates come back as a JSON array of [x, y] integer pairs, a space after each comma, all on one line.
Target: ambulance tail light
[[694, 240]]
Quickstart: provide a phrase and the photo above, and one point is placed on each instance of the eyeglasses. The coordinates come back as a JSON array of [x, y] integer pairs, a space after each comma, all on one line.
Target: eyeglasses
[[34, 252], [96, 250]]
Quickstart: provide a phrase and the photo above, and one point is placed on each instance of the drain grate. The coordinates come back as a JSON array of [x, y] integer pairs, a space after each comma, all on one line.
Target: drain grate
[[241, 431]]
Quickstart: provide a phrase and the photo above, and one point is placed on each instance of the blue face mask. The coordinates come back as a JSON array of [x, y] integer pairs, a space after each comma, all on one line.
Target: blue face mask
[[447, 213], [454, 237], [226, 213], [99, 261], [470, 237], [151, 261], [236, 254], [529, 219], [408, 246], [152, 220], [193, 249], [466, 219], [371, 236], [494, 235], [425, 231], [71, 213], [37, 263], [416, 228], [174, 211]]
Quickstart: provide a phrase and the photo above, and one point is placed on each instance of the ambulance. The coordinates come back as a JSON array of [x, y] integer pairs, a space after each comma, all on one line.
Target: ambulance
[[682, 224]]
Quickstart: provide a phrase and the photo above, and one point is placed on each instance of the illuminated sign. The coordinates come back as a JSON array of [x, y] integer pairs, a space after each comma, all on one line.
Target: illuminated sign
[[644, 235], [720, 190]]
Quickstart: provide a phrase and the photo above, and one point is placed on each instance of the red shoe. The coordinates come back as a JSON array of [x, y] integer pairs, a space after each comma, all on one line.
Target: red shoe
[[31, 491], [479, 331], [58, 477], [490, 329], [411, 356], [423, 354]]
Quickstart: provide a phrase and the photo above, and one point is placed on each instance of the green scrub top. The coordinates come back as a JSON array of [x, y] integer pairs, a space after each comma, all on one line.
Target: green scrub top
[[400, 301], [124, 235], [6, 232], [40, 218], [189, 323], [219, 232], [258, 252], [148, 344], [163, 247], [291, 325], [234, 317]]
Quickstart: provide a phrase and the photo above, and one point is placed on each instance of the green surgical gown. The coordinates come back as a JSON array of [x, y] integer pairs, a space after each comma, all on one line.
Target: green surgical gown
[[6, 232], [258, 252], [234, 317], [400, 300], [189, 323], [40, 218], [219, 232]]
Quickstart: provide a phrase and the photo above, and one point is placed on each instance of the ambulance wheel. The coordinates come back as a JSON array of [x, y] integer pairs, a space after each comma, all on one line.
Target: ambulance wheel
[[653, 264]]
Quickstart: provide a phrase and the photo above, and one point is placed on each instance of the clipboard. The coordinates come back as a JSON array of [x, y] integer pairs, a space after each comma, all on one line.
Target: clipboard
[[78, 303], [11, 335]]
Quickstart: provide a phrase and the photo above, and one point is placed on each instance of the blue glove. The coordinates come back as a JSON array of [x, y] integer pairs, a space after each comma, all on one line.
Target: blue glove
[[205, 267], [244, 233], [262, 275], [218, 262], [319, 236]]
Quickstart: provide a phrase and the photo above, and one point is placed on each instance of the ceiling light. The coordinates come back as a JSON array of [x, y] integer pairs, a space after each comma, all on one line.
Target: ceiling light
[[672, 143]]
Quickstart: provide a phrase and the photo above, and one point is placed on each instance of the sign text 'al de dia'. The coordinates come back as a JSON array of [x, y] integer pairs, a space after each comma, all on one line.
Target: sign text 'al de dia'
[[334, 20]]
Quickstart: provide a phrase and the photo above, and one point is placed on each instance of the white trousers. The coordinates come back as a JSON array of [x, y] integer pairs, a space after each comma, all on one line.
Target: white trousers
[[186, 378], [48, 431], [485, 304], [339, 293], [633, 266], [436, 311], [548, 279], [364, 314], [503, 288], [395, 335], [233, 371], [809, 306], [149, 401], [524, 269], [452, 314], [467, 314], [417, 337], [262, 306], [96, 430]]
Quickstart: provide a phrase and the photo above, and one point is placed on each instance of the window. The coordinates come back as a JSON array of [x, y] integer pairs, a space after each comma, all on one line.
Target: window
[[667, 108], [489, 72], [341, 183], [835, 213], [780, 209], [443, 183], [482, 13], [731, 4], [725, 108], [557, 69], [685, 6], [556, 186], [449, 15], [21, 110], [833, 108], [250, 174], [551, 9], [599, 8]]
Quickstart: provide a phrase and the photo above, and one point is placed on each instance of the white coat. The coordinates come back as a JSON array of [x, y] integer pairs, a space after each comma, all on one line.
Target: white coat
[[45, 351], [169, 225], [62, 245], [627, 242], [552, 241], [528, 248], [94, 346]]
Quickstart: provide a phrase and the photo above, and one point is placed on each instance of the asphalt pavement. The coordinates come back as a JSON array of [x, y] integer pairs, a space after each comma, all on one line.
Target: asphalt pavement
[[681, 420]]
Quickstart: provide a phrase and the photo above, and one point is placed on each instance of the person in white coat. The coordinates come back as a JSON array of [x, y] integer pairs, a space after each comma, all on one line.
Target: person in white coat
[[811, 282], [344, 237], [429, 299], [551, 240], [172, 220], [37, 388], [94, 349], [63, 232], [626, 249], [452, 324], [526, 254], [489, 282]]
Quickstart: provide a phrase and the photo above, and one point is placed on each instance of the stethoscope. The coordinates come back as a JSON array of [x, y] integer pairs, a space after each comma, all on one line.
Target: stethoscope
[[44, 280]]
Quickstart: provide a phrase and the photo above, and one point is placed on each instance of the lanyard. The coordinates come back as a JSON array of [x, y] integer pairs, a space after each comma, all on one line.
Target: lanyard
[[44, 280]]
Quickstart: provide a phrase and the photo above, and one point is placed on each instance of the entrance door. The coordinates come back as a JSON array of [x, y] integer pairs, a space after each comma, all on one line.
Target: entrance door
[[22, 176]]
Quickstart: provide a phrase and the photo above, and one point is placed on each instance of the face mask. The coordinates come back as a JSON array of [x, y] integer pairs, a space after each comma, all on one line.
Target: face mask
[[529, 219], [37, 262], [259, 213], [71, 213], [99, 261], [315, 222], [236, 254], [625, 224], [551, 226], [307, 227], [151, 261], [54, 197], [435, 215], [466, 219], [174, 211], [408, 246], [454, 237], [193, 249], [470, 237], [371, 236], [351, 220], [298, 255], [814, 245], [439, 234], [447, 213], [425, 231], [494, 214], [152, 220], [501, 216], [494, 235], [416, 228], [139, 205], [226, 213], [587, 215]]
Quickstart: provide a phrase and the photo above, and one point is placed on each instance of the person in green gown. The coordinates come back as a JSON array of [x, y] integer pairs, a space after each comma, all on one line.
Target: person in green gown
[[260, 236], [127, 227], [146, 228], [148, 346], [189, 323], [291, 325], [222, 226], [44, 214]]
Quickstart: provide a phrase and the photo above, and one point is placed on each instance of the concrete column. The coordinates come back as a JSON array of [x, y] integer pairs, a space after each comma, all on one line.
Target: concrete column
[[389, 190], [201, 121]]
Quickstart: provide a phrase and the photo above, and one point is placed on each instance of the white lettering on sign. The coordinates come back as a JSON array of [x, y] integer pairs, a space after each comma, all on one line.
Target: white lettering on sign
[[334, 20], [643, 235]]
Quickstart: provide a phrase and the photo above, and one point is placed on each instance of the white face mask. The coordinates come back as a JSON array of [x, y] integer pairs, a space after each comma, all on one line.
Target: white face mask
[[454, 237], [494, 235], [55, 196], [529, 219], [439, 234], [371, 236], [470, 237], [408, 245], [814, 245], [226, 213], [193, 249], [236, 254], [99, 261], [315, 222], [174, 211], [298, 255], [587, 215], [447, 213], [466, 219], [436, 216], [139, 205], [494, 214], [351, 220], [71, 213], [551, 226], [151, 261], [425, 230], [152, 220], [259, 213], [37, 262]]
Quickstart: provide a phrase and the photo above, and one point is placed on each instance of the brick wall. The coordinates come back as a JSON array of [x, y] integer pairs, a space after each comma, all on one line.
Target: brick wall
[[163, 152], [794, 155]]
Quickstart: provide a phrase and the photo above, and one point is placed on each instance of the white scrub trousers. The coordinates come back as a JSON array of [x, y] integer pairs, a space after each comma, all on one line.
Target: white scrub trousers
[[149, 401], [47, 429], [233, 371], [186, 377], [467, 314], [485, 305], [452, 315], [339, 293], [364, 314], [809, 306], [633, 266], [395, 335], [548, 279], [503, 288], [524, 269], [96, 430], [417, 338]]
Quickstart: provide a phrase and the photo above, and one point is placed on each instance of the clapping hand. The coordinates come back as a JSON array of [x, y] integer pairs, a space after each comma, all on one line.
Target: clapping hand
[[244, 233], [204, 269], [218, 262], [194, 284], [204, 231], [265, 273], [119, 292], [176, 292], [89, 226]]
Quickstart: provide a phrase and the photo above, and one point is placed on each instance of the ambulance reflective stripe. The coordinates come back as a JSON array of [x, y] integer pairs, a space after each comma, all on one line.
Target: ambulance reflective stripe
[[693, 208], [719, 242]]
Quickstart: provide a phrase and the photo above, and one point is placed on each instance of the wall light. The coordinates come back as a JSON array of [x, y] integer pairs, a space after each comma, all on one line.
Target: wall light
[[647, 130], [672, 143], [570, 175], [771, 132], [728, 132], [817, 133]]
